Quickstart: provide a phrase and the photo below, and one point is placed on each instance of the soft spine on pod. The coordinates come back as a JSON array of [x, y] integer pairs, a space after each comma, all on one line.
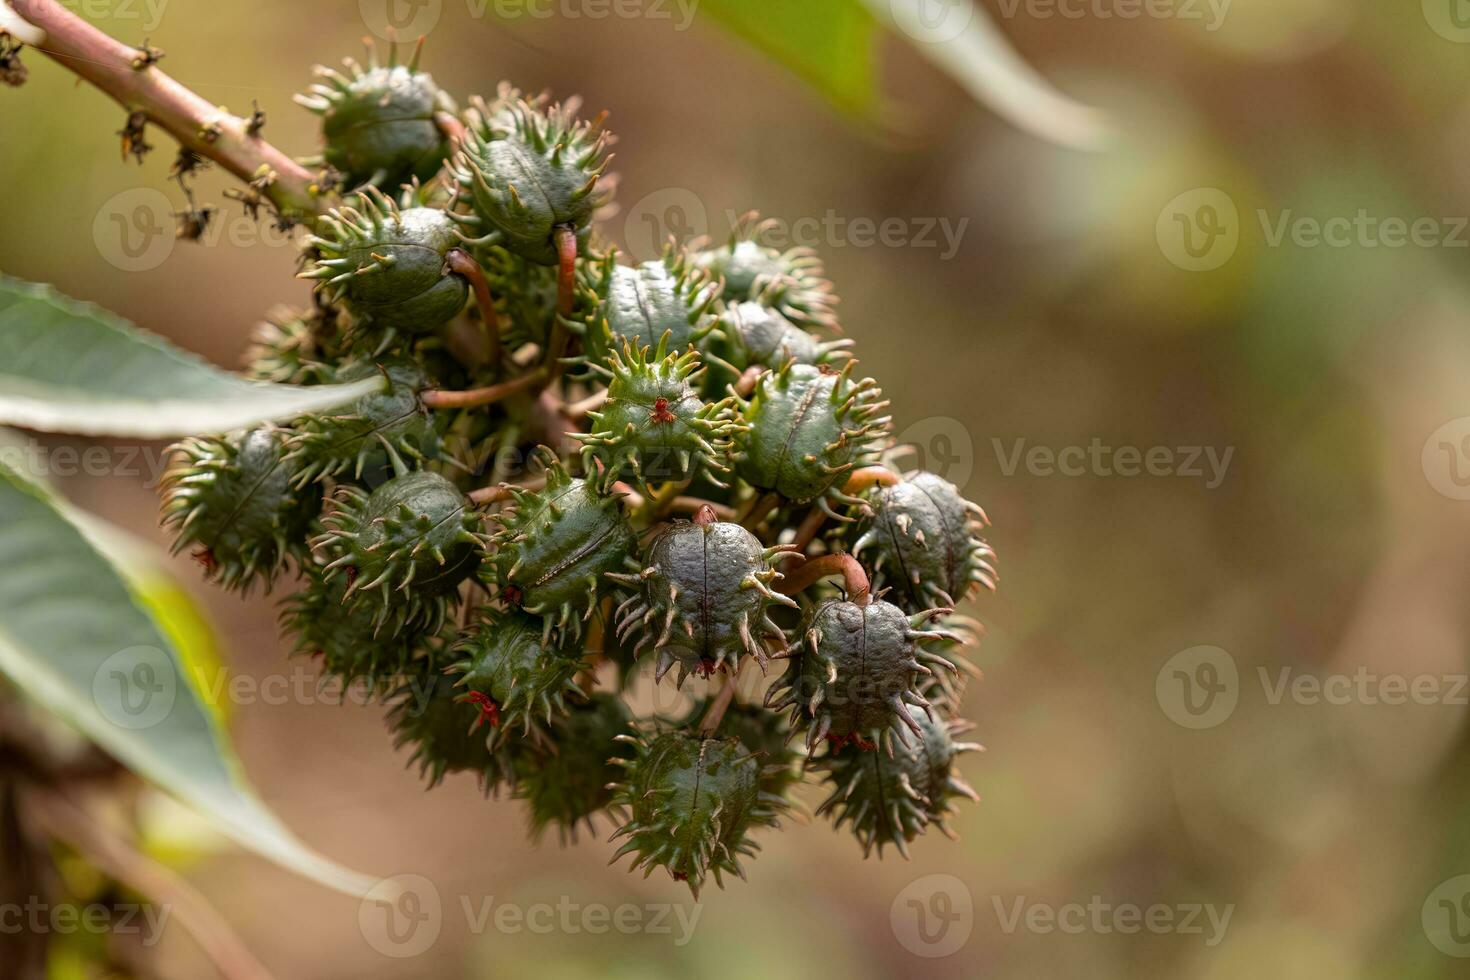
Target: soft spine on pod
[[330, 445], [858, 672], [655, 425], [506, 671], [791, 281], [692, 801]]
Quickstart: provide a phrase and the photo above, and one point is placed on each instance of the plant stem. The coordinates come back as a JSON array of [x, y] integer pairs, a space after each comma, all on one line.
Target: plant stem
[[476, 397], [211, 131], [566, 282], [715, 713], [809, 528], [870, 476], [854, 577], [462, 264], [760, 509]]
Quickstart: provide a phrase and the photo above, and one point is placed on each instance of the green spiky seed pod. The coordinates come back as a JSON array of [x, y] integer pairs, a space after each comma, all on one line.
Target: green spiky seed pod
[[808, 427], [654, 424], [288, 347], [405, 548], [791, 281], [342, 636], [443, 730], [512, 677], [524, 180], [496, 118], [754, 335], [858, 669], [230, 498], [525, 296], [378, 123], [359, 437], [555, 545], [639, 305], [926, 539], [766, 734], [692, 802], [704, 598], [891, 799], [565, 781], [386, 264]]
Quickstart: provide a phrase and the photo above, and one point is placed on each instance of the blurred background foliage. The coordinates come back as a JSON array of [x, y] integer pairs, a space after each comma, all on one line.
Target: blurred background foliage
[[1059, 320]]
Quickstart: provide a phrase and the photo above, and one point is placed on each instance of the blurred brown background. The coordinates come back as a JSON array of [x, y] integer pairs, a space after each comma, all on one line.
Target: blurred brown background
[[1335, 543]]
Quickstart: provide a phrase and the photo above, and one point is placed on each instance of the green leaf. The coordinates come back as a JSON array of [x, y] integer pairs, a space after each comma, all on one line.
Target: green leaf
[[67, 366], [828, 43], [76, 638]]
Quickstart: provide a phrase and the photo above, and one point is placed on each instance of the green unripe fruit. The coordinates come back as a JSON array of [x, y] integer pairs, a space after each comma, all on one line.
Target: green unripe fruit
[[566, 780], [807, 428], [378, 123], [892, 798], [692, 802], [754, 335], [790, 281], [359, 438], [524, 181], [665, 302], [926, 539], [408, 544], [654, 424], [704, 598], [511, 675], [765, 734], [445, 733], [858, 670], [289, 347], [343, 636], [554, 547], [231, 499], [388, 264]]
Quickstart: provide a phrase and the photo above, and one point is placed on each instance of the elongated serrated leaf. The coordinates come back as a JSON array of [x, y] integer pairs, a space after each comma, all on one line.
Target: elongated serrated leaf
[[68, 366], [77, 640]]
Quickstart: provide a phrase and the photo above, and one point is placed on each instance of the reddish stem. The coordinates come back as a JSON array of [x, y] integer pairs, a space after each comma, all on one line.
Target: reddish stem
[[870, 476], [461, 263], [208, 130], [475, 397], [855, 578]]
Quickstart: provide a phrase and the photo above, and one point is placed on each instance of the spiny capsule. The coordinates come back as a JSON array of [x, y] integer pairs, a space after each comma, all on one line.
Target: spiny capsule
[[555, 545], [767, 735], [378, 123], [387, 265], [807, 428], [359, 438], [755, 335], [405, 547], [289, 347], [342, 637], [926, 538], [891, 799], [704, 598], [654, 424], [526, 176], [510, 675], [231, 499], [691, 802], [429, 715], [789, 281], [639, 306], [565, 780], [857, 672]]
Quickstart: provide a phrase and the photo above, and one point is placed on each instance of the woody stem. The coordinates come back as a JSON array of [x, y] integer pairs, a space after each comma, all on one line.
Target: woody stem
[[208, 130], [854, 577]]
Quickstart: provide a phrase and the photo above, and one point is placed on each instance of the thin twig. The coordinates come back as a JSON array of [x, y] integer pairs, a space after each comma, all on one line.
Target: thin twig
[[210, 131], [476, 397], [870, 476], [461, 263], [715, 713]]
